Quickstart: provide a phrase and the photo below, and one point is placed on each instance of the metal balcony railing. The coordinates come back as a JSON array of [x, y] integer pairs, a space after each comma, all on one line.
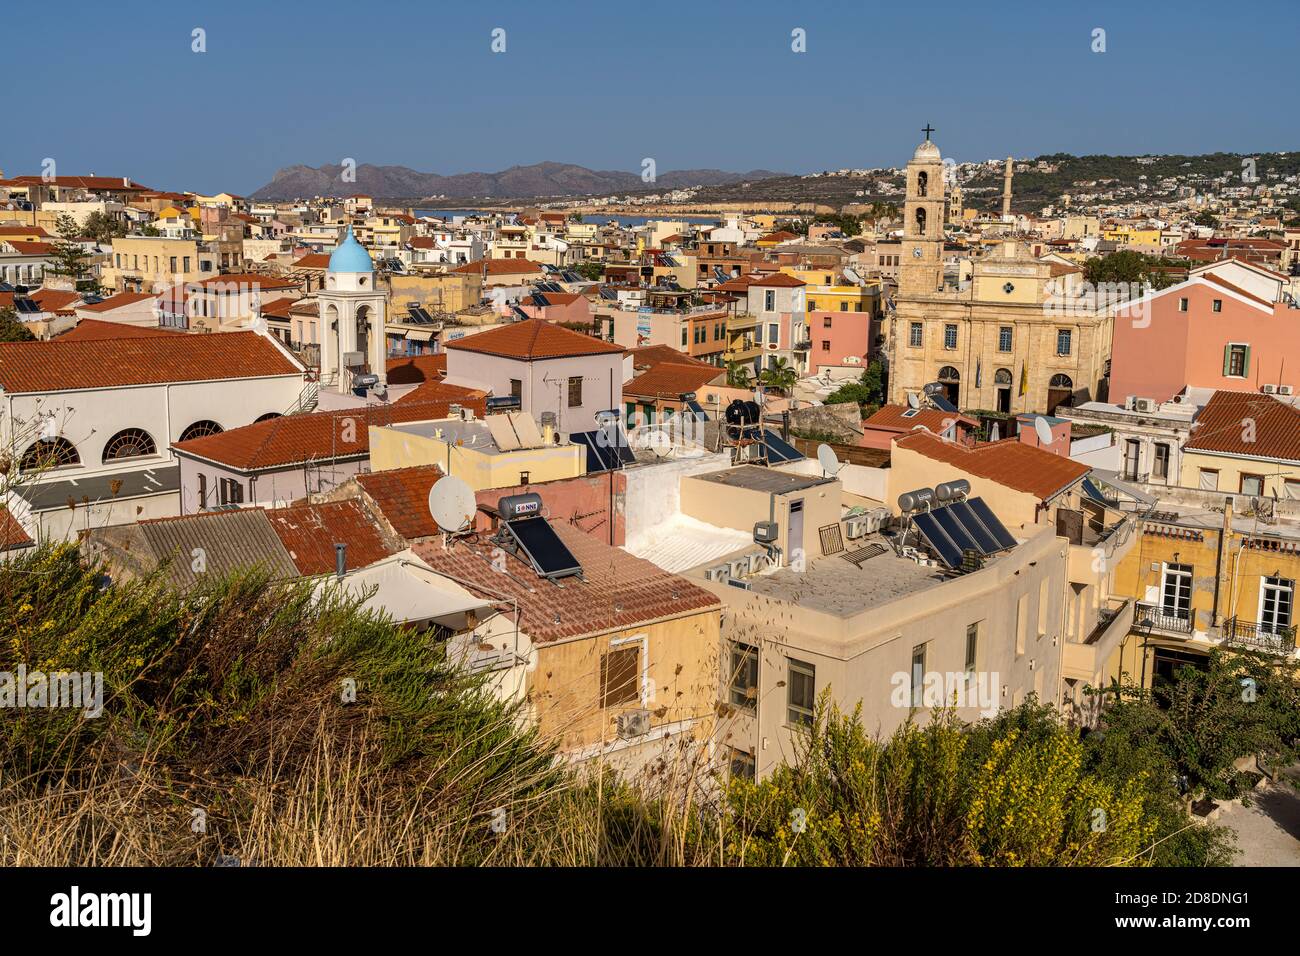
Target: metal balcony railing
[[1259, 637], [1161, 618]]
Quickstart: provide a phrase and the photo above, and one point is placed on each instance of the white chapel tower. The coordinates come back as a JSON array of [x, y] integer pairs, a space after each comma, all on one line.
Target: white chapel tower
[[352, 317]]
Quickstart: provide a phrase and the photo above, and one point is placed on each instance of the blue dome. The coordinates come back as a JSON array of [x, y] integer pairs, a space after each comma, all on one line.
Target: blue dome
[[350, 256]]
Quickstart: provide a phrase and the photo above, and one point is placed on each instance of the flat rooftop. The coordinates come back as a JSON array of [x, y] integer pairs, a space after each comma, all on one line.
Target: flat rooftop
[[766, 480]]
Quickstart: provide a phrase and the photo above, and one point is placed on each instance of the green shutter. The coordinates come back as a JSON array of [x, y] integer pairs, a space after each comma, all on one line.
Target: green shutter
[[1227, 358], [1245, 364]]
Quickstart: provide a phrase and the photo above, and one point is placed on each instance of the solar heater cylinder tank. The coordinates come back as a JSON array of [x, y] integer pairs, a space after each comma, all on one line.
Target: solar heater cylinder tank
[[952, 490], [910, 501], [519, 506]]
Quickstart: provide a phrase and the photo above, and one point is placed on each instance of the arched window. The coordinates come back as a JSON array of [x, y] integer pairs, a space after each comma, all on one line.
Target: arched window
[[949, 374], [1002, 377], [129, 443], [1061, 381], [922, 182], [48, 453], [266, 418], [920, 221], [201, 429]]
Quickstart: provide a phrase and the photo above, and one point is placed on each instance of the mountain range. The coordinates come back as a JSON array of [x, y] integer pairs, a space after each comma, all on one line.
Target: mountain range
[[517, 182]]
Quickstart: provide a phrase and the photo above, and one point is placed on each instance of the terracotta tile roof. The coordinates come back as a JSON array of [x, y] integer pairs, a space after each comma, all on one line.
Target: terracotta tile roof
[[1219, 427], [25, 248], [738, 284], [22, 231], [532, 340], [500, 267], [413, 369], [671, 380], [781, 235], [782, 279], [318, 436], [423, 242], [650, 355], [402, 497], [1223, 283], [117, 301], [50, 300], [92, 183], [442, 392], [279, 308], [616, 591], [59, 365], [890, 418], [312, 260], [12, 534], [309, 533], [95, 330], [1009, 462], [244, 279]]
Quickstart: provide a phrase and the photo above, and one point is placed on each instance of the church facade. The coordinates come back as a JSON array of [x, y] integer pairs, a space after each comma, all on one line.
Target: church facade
[[1016, 338], [352, 317]]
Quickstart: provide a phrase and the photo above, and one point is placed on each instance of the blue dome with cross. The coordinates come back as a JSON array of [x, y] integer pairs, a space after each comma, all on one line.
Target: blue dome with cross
[[350, 256]]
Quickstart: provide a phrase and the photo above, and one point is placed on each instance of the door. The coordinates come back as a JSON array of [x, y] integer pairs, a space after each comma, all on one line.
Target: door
[[1176, 591], [1004, 400], [1132, 454], [1277, 597], [794, 533]]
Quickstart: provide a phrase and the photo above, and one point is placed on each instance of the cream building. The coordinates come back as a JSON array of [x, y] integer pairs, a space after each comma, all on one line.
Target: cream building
[[1009, 339]]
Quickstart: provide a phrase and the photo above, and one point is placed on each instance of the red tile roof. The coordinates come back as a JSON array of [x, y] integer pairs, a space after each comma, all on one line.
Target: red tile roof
[[890, 418], [319, 436], [782, 279], [650, 355], [312, 260], [1223, 283], [671, 380], [22, 231], [442, 392], [59, 365], [12, 534], [279, 308], [117, 301], [50, 300], [532, 340], [309, 533], [95, 330], [781, 235], [500, 267], [402, 497], [413, 369], [617, 591], [25, 248], [244, 279], [92, 183], [1221, 426], [1009, 462]]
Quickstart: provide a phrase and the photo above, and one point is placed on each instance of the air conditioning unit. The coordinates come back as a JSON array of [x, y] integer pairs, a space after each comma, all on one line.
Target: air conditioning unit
[[1269, 389], [1130, 402], [719, 572], [1284, 390], [739, 566], [758, 561], [882, 518], [1144, 405], [855, 527], [633, 723]]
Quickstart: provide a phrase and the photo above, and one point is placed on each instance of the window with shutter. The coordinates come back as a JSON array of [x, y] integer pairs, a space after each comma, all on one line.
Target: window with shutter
[[620, 676]]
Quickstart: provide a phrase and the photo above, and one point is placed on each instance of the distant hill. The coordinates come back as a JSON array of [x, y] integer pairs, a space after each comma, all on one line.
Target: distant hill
[[517, 182]]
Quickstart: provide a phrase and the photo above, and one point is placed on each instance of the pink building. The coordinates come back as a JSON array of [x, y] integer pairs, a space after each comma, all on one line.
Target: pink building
[[567, 308], [1227, 327], [838, 338]]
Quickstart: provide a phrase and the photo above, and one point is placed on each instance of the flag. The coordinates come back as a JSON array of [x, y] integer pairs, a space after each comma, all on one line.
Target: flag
[[1024, 379], [978, 372]]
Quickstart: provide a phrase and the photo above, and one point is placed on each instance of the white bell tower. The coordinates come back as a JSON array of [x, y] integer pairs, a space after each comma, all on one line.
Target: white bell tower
[[352, 318]]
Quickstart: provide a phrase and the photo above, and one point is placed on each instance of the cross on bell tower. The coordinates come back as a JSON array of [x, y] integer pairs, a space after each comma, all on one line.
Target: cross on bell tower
[[927, 130]]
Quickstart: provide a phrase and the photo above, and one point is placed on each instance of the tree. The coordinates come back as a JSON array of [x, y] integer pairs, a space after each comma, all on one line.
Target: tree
[[103, 228], [70, 258], [739, 375], [779, 376], [12, 328], [592, 271], [869, 389], [575, 217], [1206, 218], [1129, 268]]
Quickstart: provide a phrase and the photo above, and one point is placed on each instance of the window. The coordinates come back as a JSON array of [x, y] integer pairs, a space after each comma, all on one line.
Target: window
[[1276, 599], [918, 675], [1291, 489], [914, 335], [1217, 305], [812, 305], [1252, 485], [741, 764], [230, 492], [769, 300], [801, 693], [201, 429], [1182, 305], [950, 336], [773, 333], [683, 336], [1176, 591], [575, 391], [826, 345], [1042, 608], [186, 260], [1063, 343], [620, 669], [744, 676], [1004, 339], [203, 491], [129, 443], [516, 388], [826, 322], [1160, 469], [972, 646], [48, 453], [1236, 360], [1022, 622], [844, 306], [1209, 479], [172, 263], [1132, 458]]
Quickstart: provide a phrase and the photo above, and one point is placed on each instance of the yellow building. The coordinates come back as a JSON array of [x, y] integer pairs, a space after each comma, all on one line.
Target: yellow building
[[143, 263], [1243, 443]]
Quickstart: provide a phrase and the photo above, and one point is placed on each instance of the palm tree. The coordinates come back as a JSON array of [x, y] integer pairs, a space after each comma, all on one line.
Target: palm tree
[[779, 376], [738, 375]]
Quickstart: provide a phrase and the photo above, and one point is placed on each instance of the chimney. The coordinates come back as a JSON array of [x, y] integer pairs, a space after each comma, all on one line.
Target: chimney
[[126, 181], [340, 560]]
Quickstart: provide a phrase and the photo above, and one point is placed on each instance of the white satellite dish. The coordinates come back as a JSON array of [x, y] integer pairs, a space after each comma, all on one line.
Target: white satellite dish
[[912, 400], [826, 456], [1043, 431], [452, 503]]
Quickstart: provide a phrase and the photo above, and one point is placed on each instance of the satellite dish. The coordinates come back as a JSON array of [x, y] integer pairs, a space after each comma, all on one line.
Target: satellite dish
[[826, 456], [452, 503], [1043, 431], [659, 442], [912, 400]]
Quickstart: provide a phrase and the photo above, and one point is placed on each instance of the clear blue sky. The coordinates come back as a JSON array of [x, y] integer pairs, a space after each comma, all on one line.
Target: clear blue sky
[[116, 89]]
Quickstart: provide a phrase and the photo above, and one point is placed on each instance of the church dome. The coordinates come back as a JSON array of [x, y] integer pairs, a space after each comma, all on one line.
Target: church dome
[[926, 151], [350, 256]]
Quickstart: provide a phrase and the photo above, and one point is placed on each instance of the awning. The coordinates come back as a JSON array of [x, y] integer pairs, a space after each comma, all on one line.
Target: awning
[[418, 336], [409, 593]]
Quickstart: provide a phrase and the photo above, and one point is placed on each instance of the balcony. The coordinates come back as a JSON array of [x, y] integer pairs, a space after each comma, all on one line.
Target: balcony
[[742, 352], [1258, 637], [1087, 660], [1162, 619], [741, 323]]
